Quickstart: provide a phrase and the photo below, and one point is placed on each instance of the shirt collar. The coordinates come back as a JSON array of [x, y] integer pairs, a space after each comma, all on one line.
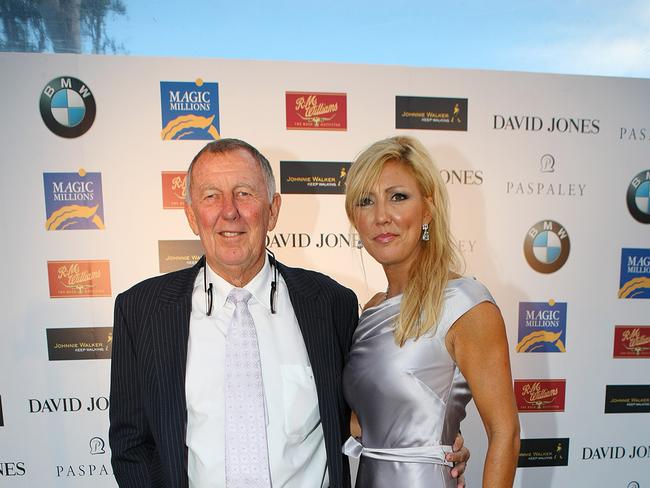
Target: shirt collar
[[259, 286]]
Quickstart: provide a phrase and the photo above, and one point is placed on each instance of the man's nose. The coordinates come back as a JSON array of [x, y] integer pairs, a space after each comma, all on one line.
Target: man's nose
[[229, 208]]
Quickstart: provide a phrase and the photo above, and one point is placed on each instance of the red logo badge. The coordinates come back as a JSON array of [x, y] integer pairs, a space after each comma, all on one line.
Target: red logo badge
[[540, 395], [77, 279], [632, 341], [316, 111], [173, 189]]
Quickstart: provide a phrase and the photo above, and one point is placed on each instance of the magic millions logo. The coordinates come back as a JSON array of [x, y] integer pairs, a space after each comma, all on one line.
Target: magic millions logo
[[542, 327], [67, 107], [190, 111], [547, 246], [540, 395], [316, 111], [635, 273], [76, 279], [73, 201], [79, 343], [305, 177], [638, 197]]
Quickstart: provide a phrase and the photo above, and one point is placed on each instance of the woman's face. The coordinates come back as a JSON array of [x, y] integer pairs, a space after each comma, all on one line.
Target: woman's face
[[389, 219]]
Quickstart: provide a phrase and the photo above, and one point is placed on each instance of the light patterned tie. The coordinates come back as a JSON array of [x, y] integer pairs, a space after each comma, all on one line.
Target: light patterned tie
[[247, 459]]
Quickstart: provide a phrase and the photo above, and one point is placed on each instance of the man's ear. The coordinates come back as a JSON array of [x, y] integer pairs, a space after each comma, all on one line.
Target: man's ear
[[276, 203], [191, 218]]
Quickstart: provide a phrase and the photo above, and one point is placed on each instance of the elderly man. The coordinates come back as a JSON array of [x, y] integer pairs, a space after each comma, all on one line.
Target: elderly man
[[228, 373]]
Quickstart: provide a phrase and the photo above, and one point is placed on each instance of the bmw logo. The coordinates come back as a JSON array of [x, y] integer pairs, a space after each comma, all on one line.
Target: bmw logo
[[638, 197], [67, 107], [547, 246]]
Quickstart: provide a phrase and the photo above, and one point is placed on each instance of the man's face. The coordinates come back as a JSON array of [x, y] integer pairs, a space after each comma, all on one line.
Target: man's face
[[231, 213]]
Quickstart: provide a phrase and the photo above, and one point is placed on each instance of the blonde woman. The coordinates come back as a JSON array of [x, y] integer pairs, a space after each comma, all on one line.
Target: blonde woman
[[430, 342]]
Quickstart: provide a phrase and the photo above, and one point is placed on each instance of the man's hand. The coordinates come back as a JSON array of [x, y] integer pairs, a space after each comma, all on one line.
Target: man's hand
[[459, 457]]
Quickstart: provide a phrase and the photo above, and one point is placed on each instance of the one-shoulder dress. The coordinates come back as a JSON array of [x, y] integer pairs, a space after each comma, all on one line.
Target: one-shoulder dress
[[409, 400]]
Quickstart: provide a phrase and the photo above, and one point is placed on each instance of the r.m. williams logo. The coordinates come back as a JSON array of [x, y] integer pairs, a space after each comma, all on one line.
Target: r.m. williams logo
[[73, 201], [79, 343], [543, 452], [632, 341], [313, 177], [546, 246], [540, 395], [179, 254], [542, 326], [316, 111], [638, 197], [173, 189], [67, 107], [432, 113], [190, 110], [78, 279], [627, 399], [635, 273]]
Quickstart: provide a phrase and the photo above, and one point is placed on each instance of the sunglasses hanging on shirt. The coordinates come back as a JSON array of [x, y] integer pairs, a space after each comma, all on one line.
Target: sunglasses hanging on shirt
[[273, 297]]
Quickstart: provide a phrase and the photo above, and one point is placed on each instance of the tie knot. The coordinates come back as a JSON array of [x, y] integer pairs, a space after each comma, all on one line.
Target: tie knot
[[239, 295]]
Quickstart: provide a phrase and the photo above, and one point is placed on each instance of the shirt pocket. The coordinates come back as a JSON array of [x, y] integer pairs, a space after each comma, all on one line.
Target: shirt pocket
[[300, 401]]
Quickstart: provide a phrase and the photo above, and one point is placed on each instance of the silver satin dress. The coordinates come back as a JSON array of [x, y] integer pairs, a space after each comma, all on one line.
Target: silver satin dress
[[409, 400]]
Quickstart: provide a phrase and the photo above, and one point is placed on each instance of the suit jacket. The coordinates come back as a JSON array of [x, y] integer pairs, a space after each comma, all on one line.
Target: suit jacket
[[148, 415]]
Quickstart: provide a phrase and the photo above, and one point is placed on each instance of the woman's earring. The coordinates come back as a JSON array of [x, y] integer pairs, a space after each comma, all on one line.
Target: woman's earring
[[359, 244], [425, 232]]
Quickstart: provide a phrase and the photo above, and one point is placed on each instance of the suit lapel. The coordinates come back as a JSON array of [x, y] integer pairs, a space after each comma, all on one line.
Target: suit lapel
[[170, 325], [315, 318]]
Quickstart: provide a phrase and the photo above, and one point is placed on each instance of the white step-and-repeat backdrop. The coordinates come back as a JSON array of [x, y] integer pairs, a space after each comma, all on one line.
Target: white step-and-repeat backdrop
[[549, 177]]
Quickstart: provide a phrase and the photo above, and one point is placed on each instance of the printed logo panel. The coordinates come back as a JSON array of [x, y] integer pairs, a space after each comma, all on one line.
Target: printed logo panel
[[190, 110], [79, 343], [632, 341], [431, 113], [305, 177], [627, 399], [540, 395], [542, 326], [638, 197], [67, 107], [555, 124], [535, 453], [179, 254], [173, 189], [73, 201], [547, 246], [635, 273], [79, 279], [316, 111]]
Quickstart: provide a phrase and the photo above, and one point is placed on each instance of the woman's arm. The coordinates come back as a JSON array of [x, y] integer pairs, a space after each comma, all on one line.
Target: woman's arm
[[477, 341]]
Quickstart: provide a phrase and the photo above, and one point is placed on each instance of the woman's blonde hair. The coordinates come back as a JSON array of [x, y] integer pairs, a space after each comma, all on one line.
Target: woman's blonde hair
[[424, 294]]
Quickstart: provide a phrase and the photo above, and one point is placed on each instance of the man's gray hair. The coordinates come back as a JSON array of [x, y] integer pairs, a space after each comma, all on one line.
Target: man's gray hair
[[223, 146]]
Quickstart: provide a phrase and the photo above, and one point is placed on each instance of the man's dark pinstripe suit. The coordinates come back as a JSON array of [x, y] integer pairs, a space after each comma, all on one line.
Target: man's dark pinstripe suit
[[148, 414]]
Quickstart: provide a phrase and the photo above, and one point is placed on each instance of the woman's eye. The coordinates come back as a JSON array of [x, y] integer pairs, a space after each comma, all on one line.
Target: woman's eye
[[398, 197], [364, 202]]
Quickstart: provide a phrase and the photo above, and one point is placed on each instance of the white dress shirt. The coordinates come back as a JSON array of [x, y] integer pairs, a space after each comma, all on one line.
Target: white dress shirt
[[296, 446]]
